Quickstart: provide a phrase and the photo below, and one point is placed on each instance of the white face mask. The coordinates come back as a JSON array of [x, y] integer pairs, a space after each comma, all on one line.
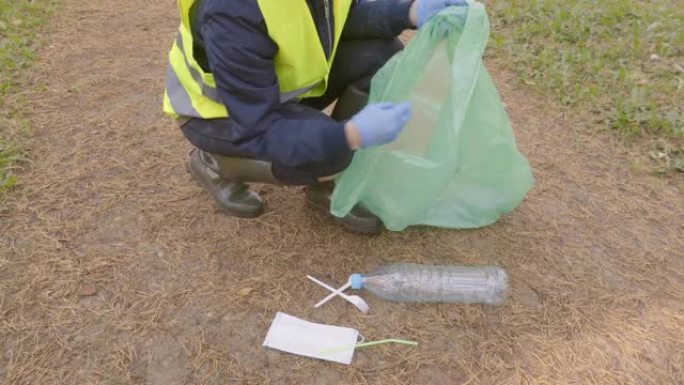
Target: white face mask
[[293, 335]]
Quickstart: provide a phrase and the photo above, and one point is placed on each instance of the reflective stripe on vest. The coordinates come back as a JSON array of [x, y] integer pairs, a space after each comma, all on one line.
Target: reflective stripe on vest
[[300, 63], [178, 98]]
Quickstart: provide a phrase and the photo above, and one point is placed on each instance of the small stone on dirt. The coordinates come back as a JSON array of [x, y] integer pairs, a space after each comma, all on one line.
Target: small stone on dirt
[[679, 165], [87, 290]]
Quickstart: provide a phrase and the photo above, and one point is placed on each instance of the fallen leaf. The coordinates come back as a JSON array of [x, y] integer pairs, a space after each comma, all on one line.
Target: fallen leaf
[[653, 26], [87, 290], [245, 292], [657, 155]]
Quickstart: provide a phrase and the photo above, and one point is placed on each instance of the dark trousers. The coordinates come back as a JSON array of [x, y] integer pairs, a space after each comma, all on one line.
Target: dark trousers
[[355, 64]]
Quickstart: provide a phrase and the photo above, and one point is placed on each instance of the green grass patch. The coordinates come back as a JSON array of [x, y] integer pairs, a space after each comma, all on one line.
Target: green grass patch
[[621, 60], [19, 23]]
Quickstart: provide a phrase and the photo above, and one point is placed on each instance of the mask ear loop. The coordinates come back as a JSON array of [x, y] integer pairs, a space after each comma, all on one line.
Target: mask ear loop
[[361, 344], [360, 339]]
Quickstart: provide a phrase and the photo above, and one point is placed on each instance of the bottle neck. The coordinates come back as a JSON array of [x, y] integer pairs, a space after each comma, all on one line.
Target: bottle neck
[[357, 281]]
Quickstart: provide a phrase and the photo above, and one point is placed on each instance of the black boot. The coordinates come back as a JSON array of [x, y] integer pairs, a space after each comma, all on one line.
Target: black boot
[[349, 103], [224, 179], [359, 220]]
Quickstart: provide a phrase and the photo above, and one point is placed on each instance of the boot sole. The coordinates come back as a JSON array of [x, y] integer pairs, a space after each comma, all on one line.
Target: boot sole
[[375, 230], [221, 207]]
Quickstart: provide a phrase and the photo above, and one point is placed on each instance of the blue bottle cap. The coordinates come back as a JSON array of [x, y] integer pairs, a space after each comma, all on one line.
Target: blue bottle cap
[[357, 281]]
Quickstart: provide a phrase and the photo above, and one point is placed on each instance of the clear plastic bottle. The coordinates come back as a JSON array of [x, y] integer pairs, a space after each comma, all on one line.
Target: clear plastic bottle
[[405, 282]]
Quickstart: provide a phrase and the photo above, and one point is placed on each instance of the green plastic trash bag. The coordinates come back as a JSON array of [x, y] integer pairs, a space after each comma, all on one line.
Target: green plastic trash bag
[[456, 164]]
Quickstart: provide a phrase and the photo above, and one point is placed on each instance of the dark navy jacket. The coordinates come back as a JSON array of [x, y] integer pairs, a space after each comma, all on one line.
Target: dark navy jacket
[[232, 42]]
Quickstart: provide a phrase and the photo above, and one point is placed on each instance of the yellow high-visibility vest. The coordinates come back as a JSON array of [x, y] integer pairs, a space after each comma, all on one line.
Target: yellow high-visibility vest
[[300, 63]]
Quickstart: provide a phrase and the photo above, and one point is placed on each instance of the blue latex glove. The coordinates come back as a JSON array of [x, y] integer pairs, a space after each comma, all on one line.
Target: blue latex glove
[[381, 123], [426, 9]]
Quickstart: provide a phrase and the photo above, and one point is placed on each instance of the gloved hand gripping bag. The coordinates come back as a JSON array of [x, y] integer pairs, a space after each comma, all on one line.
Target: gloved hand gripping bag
[[456, 163]]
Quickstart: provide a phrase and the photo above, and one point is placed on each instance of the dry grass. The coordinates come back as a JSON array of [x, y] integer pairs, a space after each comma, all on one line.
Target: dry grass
[[115, 269]]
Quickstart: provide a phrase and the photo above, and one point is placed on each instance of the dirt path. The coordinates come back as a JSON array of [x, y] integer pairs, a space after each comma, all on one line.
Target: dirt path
[[116, 269]]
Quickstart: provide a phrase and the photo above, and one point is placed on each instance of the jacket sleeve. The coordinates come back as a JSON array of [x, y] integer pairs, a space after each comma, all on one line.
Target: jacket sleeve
[[378, 19], [241, 57]]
